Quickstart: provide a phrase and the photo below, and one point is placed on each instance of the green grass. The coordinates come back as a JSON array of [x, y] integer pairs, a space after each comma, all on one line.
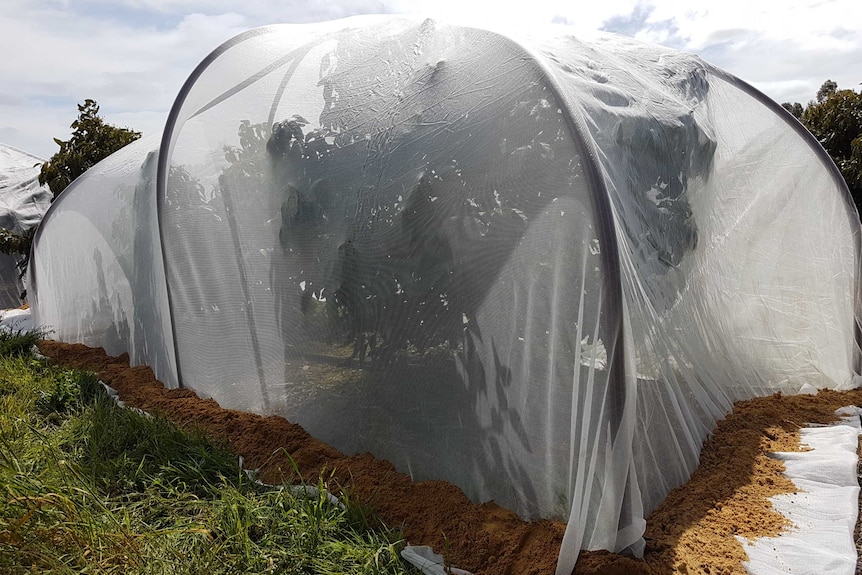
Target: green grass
[[89, 487], [19, 343]]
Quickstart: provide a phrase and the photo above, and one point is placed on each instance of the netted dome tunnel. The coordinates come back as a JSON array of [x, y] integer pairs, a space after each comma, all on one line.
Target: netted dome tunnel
[[538, 267]]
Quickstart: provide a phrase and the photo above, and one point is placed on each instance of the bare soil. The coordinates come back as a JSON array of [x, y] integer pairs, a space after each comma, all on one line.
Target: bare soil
[[694, 531]]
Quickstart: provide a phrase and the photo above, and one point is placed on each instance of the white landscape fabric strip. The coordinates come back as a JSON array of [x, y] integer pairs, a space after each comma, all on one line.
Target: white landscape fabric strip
[[430, 563], [115, 395], [823, 512]]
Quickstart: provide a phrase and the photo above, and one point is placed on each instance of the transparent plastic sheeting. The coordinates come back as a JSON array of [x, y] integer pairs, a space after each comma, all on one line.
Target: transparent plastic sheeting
[[23, 202], [539, 268]]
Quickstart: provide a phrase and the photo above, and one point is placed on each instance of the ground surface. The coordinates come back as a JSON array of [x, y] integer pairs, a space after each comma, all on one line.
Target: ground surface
[[693, 531]]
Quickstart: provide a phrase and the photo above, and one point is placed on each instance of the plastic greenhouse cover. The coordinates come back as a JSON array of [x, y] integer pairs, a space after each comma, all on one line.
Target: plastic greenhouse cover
[[23, 202], [537, 267]]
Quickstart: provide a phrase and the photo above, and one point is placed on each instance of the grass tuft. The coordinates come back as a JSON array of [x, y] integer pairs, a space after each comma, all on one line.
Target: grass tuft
[[89, 487], [70, 390], [19, 343]]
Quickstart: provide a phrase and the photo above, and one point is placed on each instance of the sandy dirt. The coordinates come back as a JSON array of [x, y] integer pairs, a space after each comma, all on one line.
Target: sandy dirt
[[694, 531]]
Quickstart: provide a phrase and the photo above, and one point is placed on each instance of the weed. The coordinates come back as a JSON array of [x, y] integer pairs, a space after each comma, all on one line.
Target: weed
[[19, 343], [70, 390], [89, 487]]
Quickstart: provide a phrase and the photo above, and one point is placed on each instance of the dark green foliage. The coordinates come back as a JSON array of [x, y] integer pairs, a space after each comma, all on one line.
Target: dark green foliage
[[835, 119], [92, 141], [795, 108], [70, 391], [827, 89], [13, 244], [18, 343]]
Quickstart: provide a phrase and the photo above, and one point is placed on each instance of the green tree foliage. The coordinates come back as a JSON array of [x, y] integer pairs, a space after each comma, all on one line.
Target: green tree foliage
[[91, 141], [12, 244], [795, 108], [835, 119], [828, 88], [17, 246]]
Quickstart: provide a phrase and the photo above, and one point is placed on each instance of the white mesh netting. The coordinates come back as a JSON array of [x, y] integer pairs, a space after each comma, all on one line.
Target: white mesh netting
[[538, 268]]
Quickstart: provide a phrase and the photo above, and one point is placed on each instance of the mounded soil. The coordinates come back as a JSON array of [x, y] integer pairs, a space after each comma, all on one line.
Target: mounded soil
[[694, 531]]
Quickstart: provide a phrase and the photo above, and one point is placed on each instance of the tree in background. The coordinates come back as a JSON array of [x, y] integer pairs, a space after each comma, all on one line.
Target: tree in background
[[795, 108], [92, 141], [835, 119], [17, 246], [828, 88]]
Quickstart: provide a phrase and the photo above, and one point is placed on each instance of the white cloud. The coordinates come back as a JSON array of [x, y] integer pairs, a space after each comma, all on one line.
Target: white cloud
[[787, 48], [69, 57], [132, 56]]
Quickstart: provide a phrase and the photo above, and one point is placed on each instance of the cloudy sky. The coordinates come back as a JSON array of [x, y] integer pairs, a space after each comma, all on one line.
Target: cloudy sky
[[132, 56]]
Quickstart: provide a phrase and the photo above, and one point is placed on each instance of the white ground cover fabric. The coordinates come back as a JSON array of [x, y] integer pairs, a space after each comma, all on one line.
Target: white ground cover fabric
[[823, 512], [536, 266], [16, 320], [423, 558]]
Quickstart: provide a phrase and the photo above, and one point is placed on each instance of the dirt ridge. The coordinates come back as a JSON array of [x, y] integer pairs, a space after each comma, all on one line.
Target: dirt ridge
[[693, 531]]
